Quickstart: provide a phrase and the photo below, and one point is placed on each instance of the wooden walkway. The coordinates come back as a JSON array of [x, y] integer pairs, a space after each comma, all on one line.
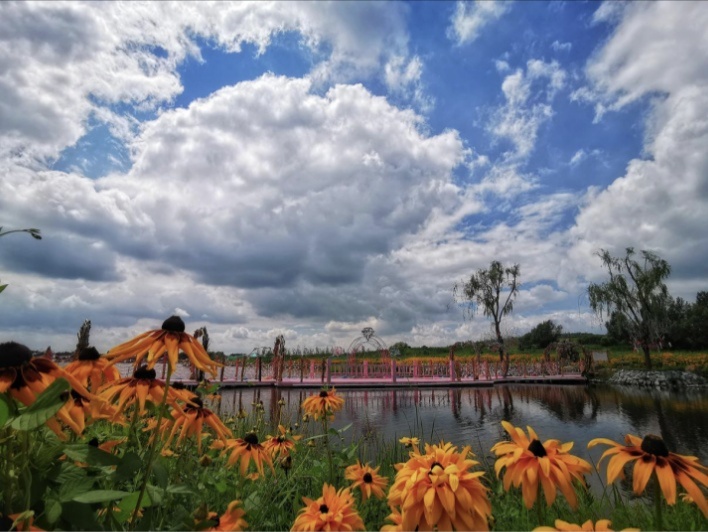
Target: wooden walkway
[[399, 383]]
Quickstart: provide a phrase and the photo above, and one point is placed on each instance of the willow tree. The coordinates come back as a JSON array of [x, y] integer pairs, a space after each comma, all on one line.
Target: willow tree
[[636, 290], [492, 291]]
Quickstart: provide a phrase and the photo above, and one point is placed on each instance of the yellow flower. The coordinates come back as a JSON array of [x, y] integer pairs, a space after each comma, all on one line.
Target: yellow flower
[[232, 518], [410, 442], [282, 444], [652, 456], [170, 339], [603, 525], [367, 480], [439, 489], [529, 462], [333, 511], [245, 450], [91, 370], [142, 386], [326, 403]]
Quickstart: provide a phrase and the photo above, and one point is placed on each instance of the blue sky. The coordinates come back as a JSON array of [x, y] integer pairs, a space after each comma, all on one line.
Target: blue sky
[[314, 168]]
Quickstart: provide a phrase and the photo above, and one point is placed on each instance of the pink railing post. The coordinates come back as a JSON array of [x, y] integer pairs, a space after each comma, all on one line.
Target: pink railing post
[[524, 368], [393, 370], [312, 368], [416, 370], [451, 363], [329, 370], [366, 369]]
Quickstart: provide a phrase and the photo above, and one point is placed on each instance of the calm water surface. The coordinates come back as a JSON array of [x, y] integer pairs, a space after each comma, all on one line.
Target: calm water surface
[[472, 416]]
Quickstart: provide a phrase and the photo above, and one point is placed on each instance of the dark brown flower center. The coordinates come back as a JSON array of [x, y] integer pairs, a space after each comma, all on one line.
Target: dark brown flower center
[[14, 354], [93, 442], [432, 467], [197, 403], [89, 353], [143, 373], [178, 385], [654, 445], [324, 509], [537, 448], [251, 438], [280, 439], [173, 324], [368, 478], [323, 393]]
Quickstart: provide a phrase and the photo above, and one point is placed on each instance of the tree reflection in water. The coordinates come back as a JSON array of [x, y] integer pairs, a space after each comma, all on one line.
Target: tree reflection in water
[[472, 416]]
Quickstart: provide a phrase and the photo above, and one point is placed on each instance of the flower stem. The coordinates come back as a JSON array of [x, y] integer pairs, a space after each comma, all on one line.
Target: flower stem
[[657, 504], [151, 450], [329, 451]]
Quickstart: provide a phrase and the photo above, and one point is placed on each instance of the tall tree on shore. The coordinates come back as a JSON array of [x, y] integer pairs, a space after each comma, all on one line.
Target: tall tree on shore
[[493, 291], [637, 291]]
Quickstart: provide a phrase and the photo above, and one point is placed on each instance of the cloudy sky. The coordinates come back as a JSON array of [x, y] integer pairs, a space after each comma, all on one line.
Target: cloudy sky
[[311, 169]]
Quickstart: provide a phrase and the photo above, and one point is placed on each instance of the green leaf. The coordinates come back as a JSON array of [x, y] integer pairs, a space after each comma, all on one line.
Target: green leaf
[[130, 464], [7, 408], [74, 487], [155, 494], [182, 489], [2, 287], [52, 511], [159, 470], [100, 496], [47, 404], [93, 456]]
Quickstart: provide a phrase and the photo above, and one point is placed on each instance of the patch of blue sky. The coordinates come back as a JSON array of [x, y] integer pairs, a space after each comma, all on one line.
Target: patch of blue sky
[[96, 154], [285, 56]]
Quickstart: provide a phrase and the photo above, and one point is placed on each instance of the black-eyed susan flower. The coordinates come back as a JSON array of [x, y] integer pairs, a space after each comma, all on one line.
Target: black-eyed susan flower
[[395, 521], [367, 480], [190, 422], [246, 450], [170, 339], [529, 462], [231, 519], [335, 510], [324, 404], [282, 444], [25, 377], [141, 387], [410, 442], [440, 489], [603, 525], [92, 370], [652, 456]]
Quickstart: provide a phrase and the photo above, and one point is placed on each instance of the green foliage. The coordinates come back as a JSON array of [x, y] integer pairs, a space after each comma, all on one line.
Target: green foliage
[[637, 291], [46, 405], [540, 336]]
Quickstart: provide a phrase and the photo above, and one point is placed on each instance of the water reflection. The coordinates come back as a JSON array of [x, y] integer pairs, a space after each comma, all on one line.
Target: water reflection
[[473, 415]]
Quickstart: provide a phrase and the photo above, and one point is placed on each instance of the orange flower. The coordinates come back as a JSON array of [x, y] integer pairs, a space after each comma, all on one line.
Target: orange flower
[[528, 462], [25, 524], [652, 456], [333, 511], [282, 444], [410, 442], [190, 422], [603, 525], [25, 377], [232, 518], [397, 521], [367, 480], [170, 339], [245, 450], [142, 386], [91, 370], [326, 403], [439, 489]]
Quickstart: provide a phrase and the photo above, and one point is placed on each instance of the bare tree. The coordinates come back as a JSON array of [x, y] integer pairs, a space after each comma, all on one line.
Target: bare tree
[[637, 291], [493, 291]]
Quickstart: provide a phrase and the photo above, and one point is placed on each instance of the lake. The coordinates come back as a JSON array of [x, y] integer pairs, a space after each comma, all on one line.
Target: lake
[[472, 416]]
